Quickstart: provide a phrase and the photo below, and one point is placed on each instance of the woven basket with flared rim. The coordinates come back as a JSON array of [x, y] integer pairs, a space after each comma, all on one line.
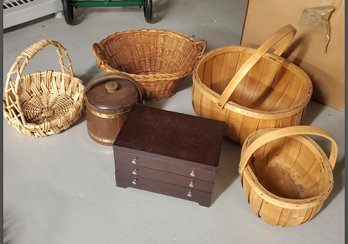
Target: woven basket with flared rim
[[250, 89], [285, 174], [42, 103], [156, 59]]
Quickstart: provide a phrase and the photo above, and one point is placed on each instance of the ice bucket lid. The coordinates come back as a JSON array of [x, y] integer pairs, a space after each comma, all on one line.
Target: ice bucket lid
[[112, 91]]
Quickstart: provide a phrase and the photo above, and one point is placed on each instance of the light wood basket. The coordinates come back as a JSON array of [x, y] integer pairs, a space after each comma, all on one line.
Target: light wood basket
[[156, 59], [250, 89], [46, 102], [286, 176]]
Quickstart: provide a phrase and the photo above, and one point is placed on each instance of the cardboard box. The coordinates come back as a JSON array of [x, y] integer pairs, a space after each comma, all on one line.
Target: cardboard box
[[326, 69]]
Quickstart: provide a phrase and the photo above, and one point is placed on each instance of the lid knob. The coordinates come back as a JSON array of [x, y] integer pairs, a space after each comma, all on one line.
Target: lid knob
[[111, 86]]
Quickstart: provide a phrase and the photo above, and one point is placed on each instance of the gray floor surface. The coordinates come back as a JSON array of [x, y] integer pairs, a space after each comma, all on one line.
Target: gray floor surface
[[61, 189]]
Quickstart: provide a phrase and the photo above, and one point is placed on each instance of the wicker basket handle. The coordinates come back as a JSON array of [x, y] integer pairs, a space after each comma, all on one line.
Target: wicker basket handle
[[283, 132], [111, 76], [283, 36], [202, 46], [99, 54], [31, 51], [17, 68], [97, 49]]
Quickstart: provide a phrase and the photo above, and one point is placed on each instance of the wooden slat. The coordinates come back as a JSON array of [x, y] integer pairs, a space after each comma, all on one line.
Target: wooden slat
[[289, 94], [196, 98], [285, 122], [234, 125], [228, 69], [217, 72], [236, 95], [207, 73], [252, 81], [270, 213], [268, 74], [246, 188], [248, 126], [206, 110], [292, 217], [255, 201], [282, 80]]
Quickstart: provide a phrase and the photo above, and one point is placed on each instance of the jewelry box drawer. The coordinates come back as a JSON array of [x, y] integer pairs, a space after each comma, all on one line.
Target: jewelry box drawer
[[127, 169], [201, 197], [176, 166]]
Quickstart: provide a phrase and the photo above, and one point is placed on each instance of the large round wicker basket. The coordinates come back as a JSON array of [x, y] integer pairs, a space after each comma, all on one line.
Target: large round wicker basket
[[42, 103], [250, 89], [286, 176], [156, 59]]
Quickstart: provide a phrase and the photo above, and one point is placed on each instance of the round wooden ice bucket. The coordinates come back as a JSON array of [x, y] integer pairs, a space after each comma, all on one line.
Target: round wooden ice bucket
[[109, 98]]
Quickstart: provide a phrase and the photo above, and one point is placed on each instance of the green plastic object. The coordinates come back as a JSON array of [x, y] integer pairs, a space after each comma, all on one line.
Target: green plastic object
[[70, 5]]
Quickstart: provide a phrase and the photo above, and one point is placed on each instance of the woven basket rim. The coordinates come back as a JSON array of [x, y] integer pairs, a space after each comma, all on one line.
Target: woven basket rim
[[134, 31], [289, 202], [78, 103], [53, 72], [261, 114], [155, 75], [151, 76], [286, 202]]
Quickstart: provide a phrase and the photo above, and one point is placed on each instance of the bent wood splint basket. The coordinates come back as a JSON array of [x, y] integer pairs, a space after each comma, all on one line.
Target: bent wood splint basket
[[157, 59], [46, 102], [251, 89], [285, 175]]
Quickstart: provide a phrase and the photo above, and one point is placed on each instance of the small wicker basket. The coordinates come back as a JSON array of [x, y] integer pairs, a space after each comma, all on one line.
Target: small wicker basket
[[156, 59], [42, 103], [286, 176], [250, 89]]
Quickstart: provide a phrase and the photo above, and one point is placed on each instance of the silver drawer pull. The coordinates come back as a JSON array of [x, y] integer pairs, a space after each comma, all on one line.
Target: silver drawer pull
[[193, 173], [134, 182], [189, 194], [134, 161], [134, 172], [191, 185]]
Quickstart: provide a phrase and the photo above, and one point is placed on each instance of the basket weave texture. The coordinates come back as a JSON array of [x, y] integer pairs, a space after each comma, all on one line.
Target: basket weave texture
[[286, 176], [42, 103], [251, 89], [156, 59]]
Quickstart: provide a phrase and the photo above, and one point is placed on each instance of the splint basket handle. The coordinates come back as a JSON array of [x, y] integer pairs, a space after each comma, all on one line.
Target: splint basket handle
[[283, 132], [283, 36]]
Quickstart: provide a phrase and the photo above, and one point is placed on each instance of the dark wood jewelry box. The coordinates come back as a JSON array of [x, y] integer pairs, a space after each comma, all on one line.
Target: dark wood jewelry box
[[169, 153]]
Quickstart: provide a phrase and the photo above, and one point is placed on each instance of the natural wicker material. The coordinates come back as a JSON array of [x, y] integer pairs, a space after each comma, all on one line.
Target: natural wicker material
[[156, 59], [42, 103], [250, 89], [286, 176]]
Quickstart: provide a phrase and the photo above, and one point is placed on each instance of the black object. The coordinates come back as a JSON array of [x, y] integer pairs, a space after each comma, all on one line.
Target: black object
[[68, 11], [148, 10]]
